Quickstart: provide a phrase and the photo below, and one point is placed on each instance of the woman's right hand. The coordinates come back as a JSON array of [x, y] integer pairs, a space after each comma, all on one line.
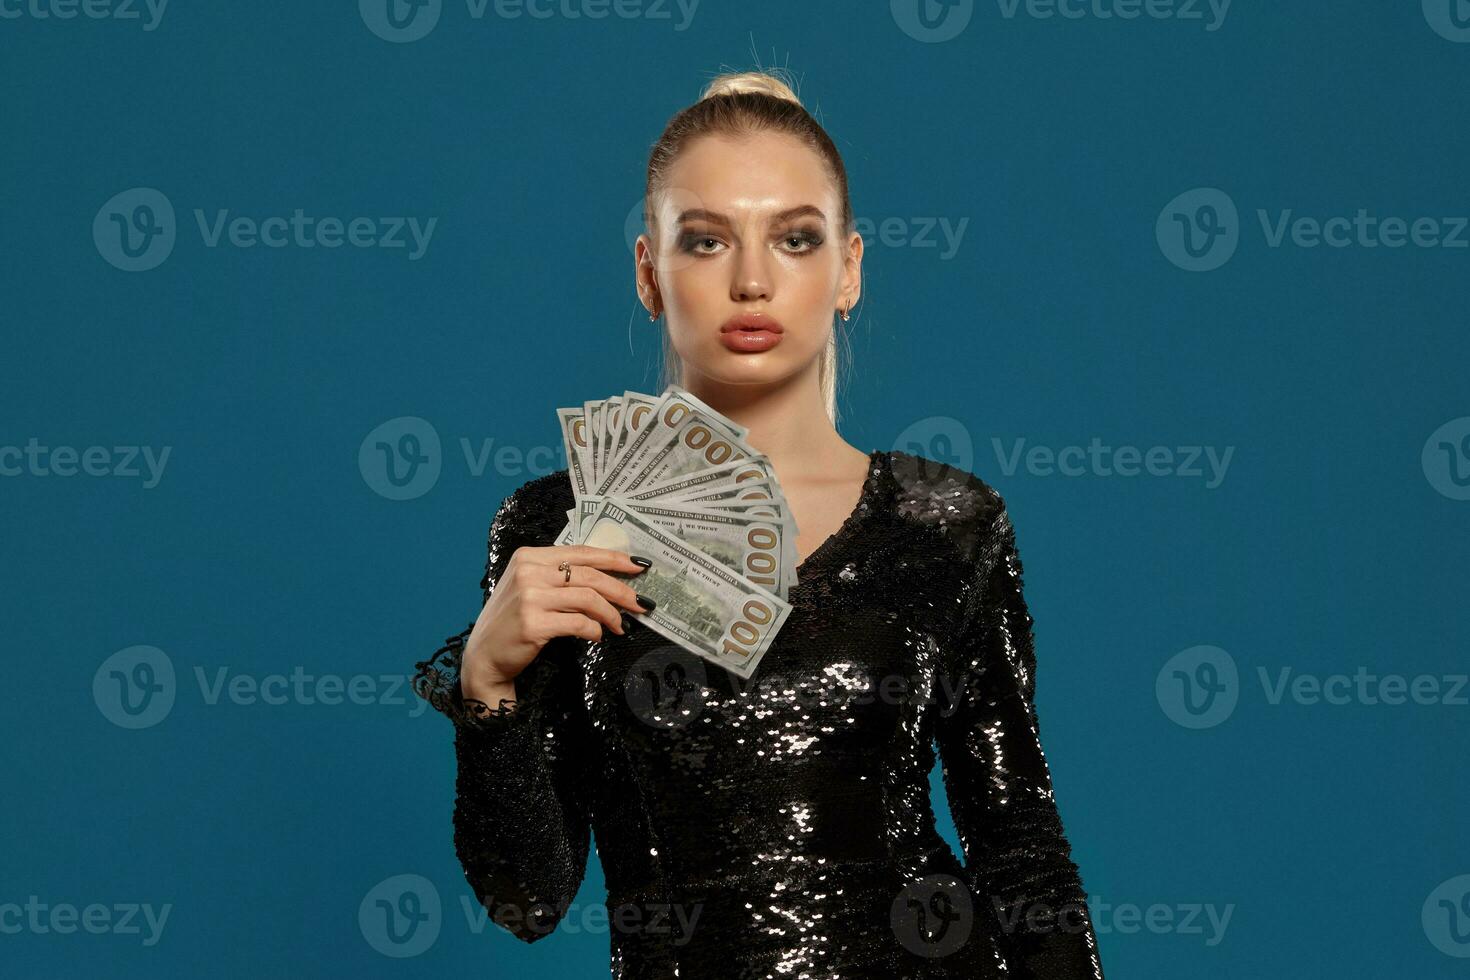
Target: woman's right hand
[[532, 602]]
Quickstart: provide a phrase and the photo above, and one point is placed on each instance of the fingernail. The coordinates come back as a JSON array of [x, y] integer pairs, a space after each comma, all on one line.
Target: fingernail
[[640, 560], [644, 601], [627, 622]]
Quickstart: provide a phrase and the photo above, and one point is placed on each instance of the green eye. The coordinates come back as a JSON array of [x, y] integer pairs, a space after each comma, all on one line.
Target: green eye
[[809, 239]]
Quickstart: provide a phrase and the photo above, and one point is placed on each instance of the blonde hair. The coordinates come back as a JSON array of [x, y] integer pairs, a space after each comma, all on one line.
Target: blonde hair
[[735, 104]]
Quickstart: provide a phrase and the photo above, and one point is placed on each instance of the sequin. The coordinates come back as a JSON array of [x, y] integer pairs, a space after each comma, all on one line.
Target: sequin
[[786, 819]]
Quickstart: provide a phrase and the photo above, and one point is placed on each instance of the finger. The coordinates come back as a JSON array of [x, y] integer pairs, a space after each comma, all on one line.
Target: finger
[[573, 624], [580, 598], [614, 590], [581, 554]]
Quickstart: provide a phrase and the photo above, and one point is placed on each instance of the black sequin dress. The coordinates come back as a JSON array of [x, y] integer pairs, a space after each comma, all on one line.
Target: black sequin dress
[[781, 827]]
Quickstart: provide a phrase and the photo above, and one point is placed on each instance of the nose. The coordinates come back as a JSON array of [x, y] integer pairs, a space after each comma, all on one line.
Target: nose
[[752, 280]]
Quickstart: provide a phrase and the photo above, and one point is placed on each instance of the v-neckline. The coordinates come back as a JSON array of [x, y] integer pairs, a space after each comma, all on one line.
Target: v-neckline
[[807, 565]]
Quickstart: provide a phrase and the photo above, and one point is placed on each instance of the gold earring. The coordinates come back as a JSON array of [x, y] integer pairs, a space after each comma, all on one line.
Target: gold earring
[[844, 314], [653, 316]]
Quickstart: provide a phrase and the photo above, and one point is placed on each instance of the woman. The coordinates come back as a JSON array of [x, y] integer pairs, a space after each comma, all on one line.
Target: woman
[[779, 827]]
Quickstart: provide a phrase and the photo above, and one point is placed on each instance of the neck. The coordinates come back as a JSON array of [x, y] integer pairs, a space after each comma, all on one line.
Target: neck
[[787, 420]]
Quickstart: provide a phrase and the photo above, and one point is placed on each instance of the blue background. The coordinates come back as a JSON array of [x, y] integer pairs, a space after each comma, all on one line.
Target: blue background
[[265, 547]]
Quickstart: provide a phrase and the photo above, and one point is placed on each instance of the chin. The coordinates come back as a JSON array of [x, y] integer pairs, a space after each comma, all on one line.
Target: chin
[[766, 367]]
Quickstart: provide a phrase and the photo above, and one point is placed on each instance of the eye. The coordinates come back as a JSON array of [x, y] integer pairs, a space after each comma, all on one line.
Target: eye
[[696, 243], [803, 241]]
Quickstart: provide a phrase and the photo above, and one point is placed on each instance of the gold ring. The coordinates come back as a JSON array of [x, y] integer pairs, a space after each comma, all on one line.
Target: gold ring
[[566, 566]]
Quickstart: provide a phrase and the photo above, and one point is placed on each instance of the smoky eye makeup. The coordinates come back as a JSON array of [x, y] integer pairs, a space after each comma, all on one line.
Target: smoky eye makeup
[[797, 241], [690, 241], [808, 239]]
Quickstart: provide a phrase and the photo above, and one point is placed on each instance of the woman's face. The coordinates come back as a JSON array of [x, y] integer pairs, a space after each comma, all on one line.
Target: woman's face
[[749, 226]]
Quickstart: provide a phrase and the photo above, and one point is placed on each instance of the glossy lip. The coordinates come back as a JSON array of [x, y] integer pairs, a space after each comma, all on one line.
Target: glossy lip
[[752, 321]]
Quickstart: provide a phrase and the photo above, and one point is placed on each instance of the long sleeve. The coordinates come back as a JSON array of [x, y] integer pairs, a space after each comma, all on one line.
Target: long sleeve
[[520, 819], [1017, 858]]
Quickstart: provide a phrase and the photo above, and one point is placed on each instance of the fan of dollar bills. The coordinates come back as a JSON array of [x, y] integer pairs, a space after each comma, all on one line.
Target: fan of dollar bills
[[669, 478]]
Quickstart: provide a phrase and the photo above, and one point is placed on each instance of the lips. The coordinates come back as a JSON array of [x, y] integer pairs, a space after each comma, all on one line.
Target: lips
[[752, 321], [748, 333]]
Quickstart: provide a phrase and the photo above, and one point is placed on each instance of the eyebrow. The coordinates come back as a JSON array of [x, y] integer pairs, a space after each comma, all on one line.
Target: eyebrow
[[714, 217]]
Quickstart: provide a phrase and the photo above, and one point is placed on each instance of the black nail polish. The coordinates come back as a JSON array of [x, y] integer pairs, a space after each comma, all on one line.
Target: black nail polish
[[644, 601], [640, 560], [627, 623]]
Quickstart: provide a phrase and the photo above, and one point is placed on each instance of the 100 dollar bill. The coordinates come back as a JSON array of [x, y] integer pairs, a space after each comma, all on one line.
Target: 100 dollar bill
[[751, 542], [701, 604]]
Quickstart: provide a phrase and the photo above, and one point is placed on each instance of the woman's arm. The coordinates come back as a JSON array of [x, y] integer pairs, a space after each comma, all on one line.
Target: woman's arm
[[520, 819], [1017, 857]]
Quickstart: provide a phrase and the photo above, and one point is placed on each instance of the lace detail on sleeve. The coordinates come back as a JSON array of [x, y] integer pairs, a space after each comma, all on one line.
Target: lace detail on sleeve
[[481, 710], [437, 681]]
